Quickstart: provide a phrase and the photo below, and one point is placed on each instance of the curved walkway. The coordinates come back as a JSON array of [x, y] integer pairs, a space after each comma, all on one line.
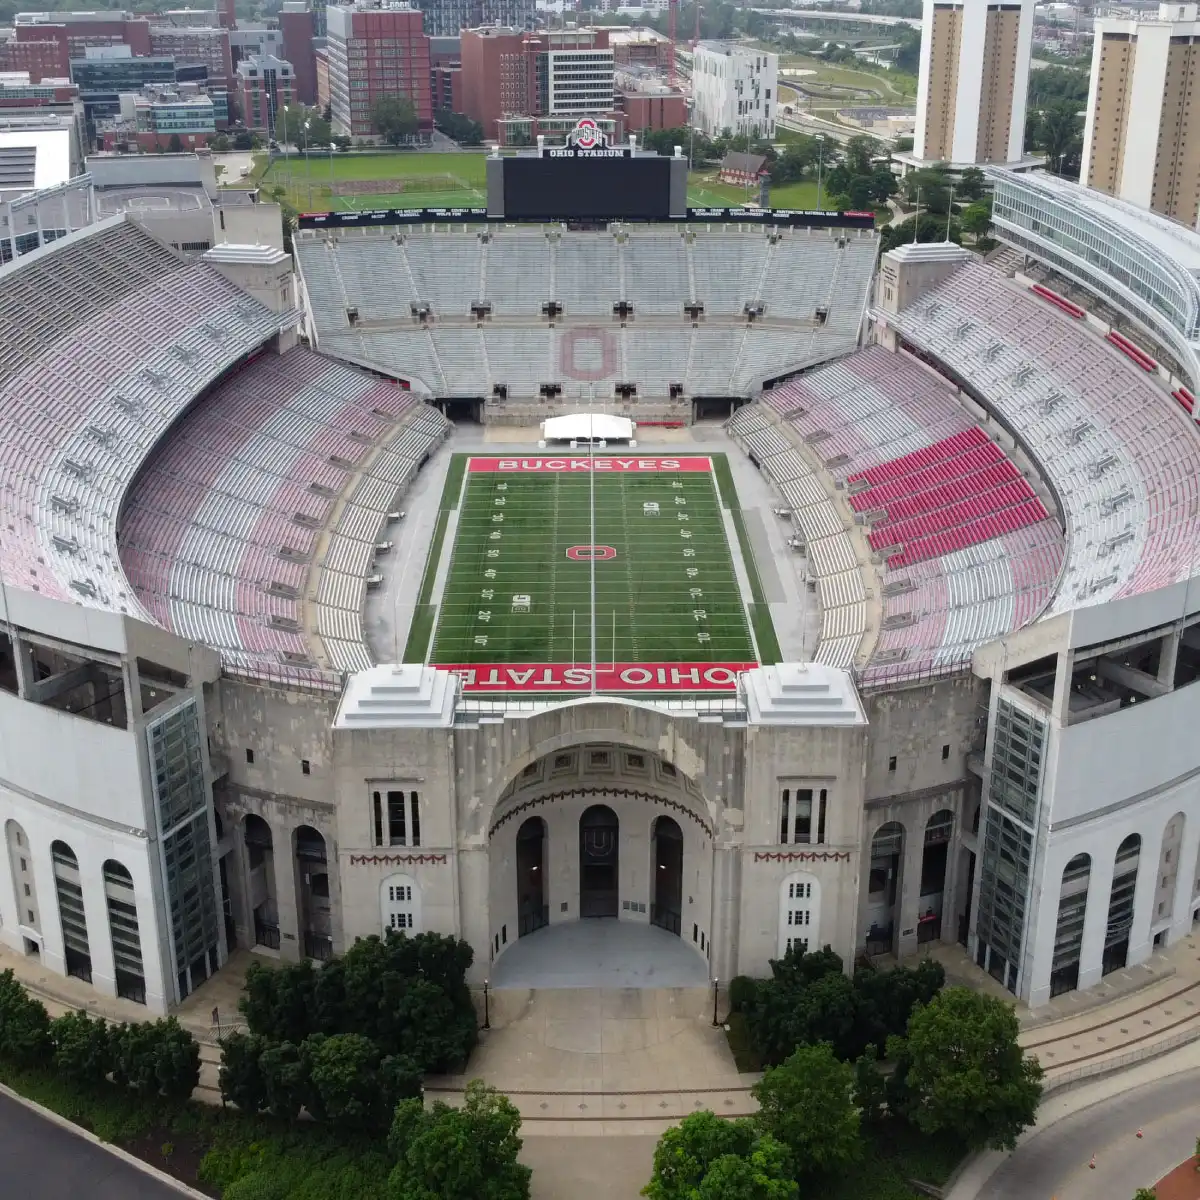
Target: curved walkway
[[1101, 1119]]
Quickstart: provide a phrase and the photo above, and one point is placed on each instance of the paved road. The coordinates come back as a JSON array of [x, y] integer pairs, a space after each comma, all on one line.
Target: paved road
[[40, 1161], [1053, 1165]]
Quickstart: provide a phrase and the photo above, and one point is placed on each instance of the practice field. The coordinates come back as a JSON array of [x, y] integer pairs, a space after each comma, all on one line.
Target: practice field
[[516, 612]]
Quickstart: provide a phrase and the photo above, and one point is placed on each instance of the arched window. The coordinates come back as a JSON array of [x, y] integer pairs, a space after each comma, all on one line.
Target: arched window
[[1068, 932], [123, 930], [76, 949], [24, 890], [1120, 904], [799, 913], [400, 904]]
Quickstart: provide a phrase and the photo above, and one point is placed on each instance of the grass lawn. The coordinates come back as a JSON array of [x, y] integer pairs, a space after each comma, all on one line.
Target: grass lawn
[[893, 87], [425, 180], [666, 590]]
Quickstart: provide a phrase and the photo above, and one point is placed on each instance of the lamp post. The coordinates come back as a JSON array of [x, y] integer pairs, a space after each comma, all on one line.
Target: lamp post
[[307, 164], [487, 1024], [820, 164], [716, 985], [287, 164], [332, 150]]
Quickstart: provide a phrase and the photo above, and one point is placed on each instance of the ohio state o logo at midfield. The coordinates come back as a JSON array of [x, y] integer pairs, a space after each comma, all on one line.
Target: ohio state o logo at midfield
[[588, 553]]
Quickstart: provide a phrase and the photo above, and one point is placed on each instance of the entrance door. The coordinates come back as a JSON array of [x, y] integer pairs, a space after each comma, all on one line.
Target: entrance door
[[599, 831], [532, 909], [666, 908]]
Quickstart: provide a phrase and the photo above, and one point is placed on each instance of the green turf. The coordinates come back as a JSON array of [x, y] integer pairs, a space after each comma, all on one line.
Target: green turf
[[646, 591]]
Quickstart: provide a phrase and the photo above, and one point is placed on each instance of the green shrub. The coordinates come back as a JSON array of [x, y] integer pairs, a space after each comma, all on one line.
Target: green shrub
[[83, 1048], [741, 992], [241, 1078], [24, 1025], [156, 1058]]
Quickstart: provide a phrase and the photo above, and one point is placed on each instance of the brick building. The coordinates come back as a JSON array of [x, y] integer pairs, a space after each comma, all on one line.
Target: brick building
[[265, 85], [298, 26], [206, 46], [518, 84], [445, 74], [44, 43], [376, 51], [653, 109]]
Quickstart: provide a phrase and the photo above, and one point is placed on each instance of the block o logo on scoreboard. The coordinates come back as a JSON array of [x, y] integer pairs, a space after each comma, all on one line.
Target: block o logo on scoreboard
[[588, 553], [587, 135]]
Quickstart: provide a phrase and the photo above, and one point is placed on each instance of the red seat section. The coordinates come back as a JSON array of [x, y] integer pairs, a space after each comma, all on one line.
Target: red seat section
[[947, 448]]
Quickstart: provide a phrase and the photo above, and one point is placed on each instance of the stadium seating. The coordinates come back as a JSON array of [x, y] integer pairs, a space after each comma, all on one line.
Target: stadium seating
[[1123, 459], [210, 536], [794, 278], [965, 550], [108, 337]]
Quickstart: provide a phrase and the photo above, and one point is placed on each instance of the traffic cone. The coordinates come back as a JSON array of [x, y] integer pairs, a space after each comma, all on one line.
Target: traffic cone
[[1092, 1164]]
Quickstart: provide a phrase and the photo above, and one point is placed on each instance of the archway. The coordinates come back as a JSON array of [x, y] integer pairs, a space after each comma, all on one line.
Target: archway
[[666, 908], [883, 887], [312, 875], [533, 908], [260, 861], [1068, 930], [1120, 905], [124, 933], [938, 830], [599, 837], [20, 859], [77, 952]]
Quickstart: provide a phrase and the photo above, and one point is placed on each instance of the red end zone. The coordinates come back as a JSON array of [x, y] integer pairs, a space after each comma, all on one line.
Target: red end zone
[[622, 677], [628, 464]]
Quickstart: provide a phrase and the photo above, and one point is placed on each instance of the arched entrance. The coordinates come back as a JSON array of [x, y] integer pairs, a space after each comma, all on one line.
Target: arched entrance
[[599, 837], [666, 908], [533, 908], [883, 887]]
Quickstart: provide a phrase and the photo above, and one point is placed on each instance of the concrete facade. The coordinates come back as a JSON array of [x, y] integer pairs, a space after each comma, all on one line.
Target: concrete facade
[[974, 74], [735, 88]]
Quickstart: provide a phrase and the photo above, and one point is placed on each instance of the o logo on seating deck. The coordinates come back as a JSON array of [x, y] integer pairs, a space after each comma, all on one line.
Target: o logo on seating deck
[[588, 553]]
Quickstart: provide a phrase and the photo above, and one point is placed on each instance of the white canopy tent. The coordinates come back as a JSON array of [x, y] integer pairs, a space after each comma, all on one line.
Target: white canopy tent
[[584, 427]]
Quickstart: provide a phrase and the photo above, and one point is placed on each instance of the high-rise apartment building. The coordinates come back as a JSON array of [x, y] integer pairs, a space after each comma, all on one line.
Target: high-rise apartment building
[[735, 88], [973, 80], [1141, 140], [375, 51]]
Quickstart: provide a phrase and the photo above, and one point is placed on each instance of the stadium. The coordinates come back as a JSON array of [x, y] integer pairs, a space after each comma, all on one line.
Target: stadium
[[483, 572]]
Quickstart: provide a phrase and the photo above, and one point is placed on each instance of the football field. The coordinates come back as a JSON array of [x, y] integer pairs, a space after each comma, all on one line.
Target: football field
[[519, 586]]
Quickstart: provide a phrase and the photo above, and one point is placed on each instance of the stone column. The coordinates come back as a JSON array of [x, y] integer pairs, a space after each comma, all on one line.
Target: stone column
[[287, 900], [908, 897]]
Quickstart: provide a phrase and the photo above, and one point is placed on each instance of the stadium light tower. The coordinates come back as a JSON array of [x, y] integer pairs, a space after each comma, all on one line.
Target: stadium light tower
[[672, 19]]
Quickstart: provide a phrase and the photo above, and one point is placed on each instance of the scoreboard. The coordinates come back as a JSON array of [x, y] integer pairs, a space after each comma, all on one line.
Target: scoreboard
[[584, 188]]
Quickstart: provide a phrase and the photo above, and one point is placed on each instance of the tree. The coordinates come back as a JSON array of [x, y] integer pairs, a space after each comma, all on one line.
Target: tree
[[350, 1087], [870, 1091], [929, 188], [807, 1104], [977, 218], [1059, 135], [458, 128], [241, 1077], [24, 1025], [1145, 1194], [285, 1079], [83, 1048], [704, 1157], [394, 118], [971, 183], [964, 1072], [928, 228], [761, 1176], [467, 1153], [303, 127]]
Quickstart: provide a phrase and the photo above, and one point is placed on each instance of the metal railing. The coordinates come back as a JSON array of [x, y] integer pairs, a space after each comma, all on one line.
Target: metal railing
[[664, 918], [266, 934], [530, 922], [318, 946]]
